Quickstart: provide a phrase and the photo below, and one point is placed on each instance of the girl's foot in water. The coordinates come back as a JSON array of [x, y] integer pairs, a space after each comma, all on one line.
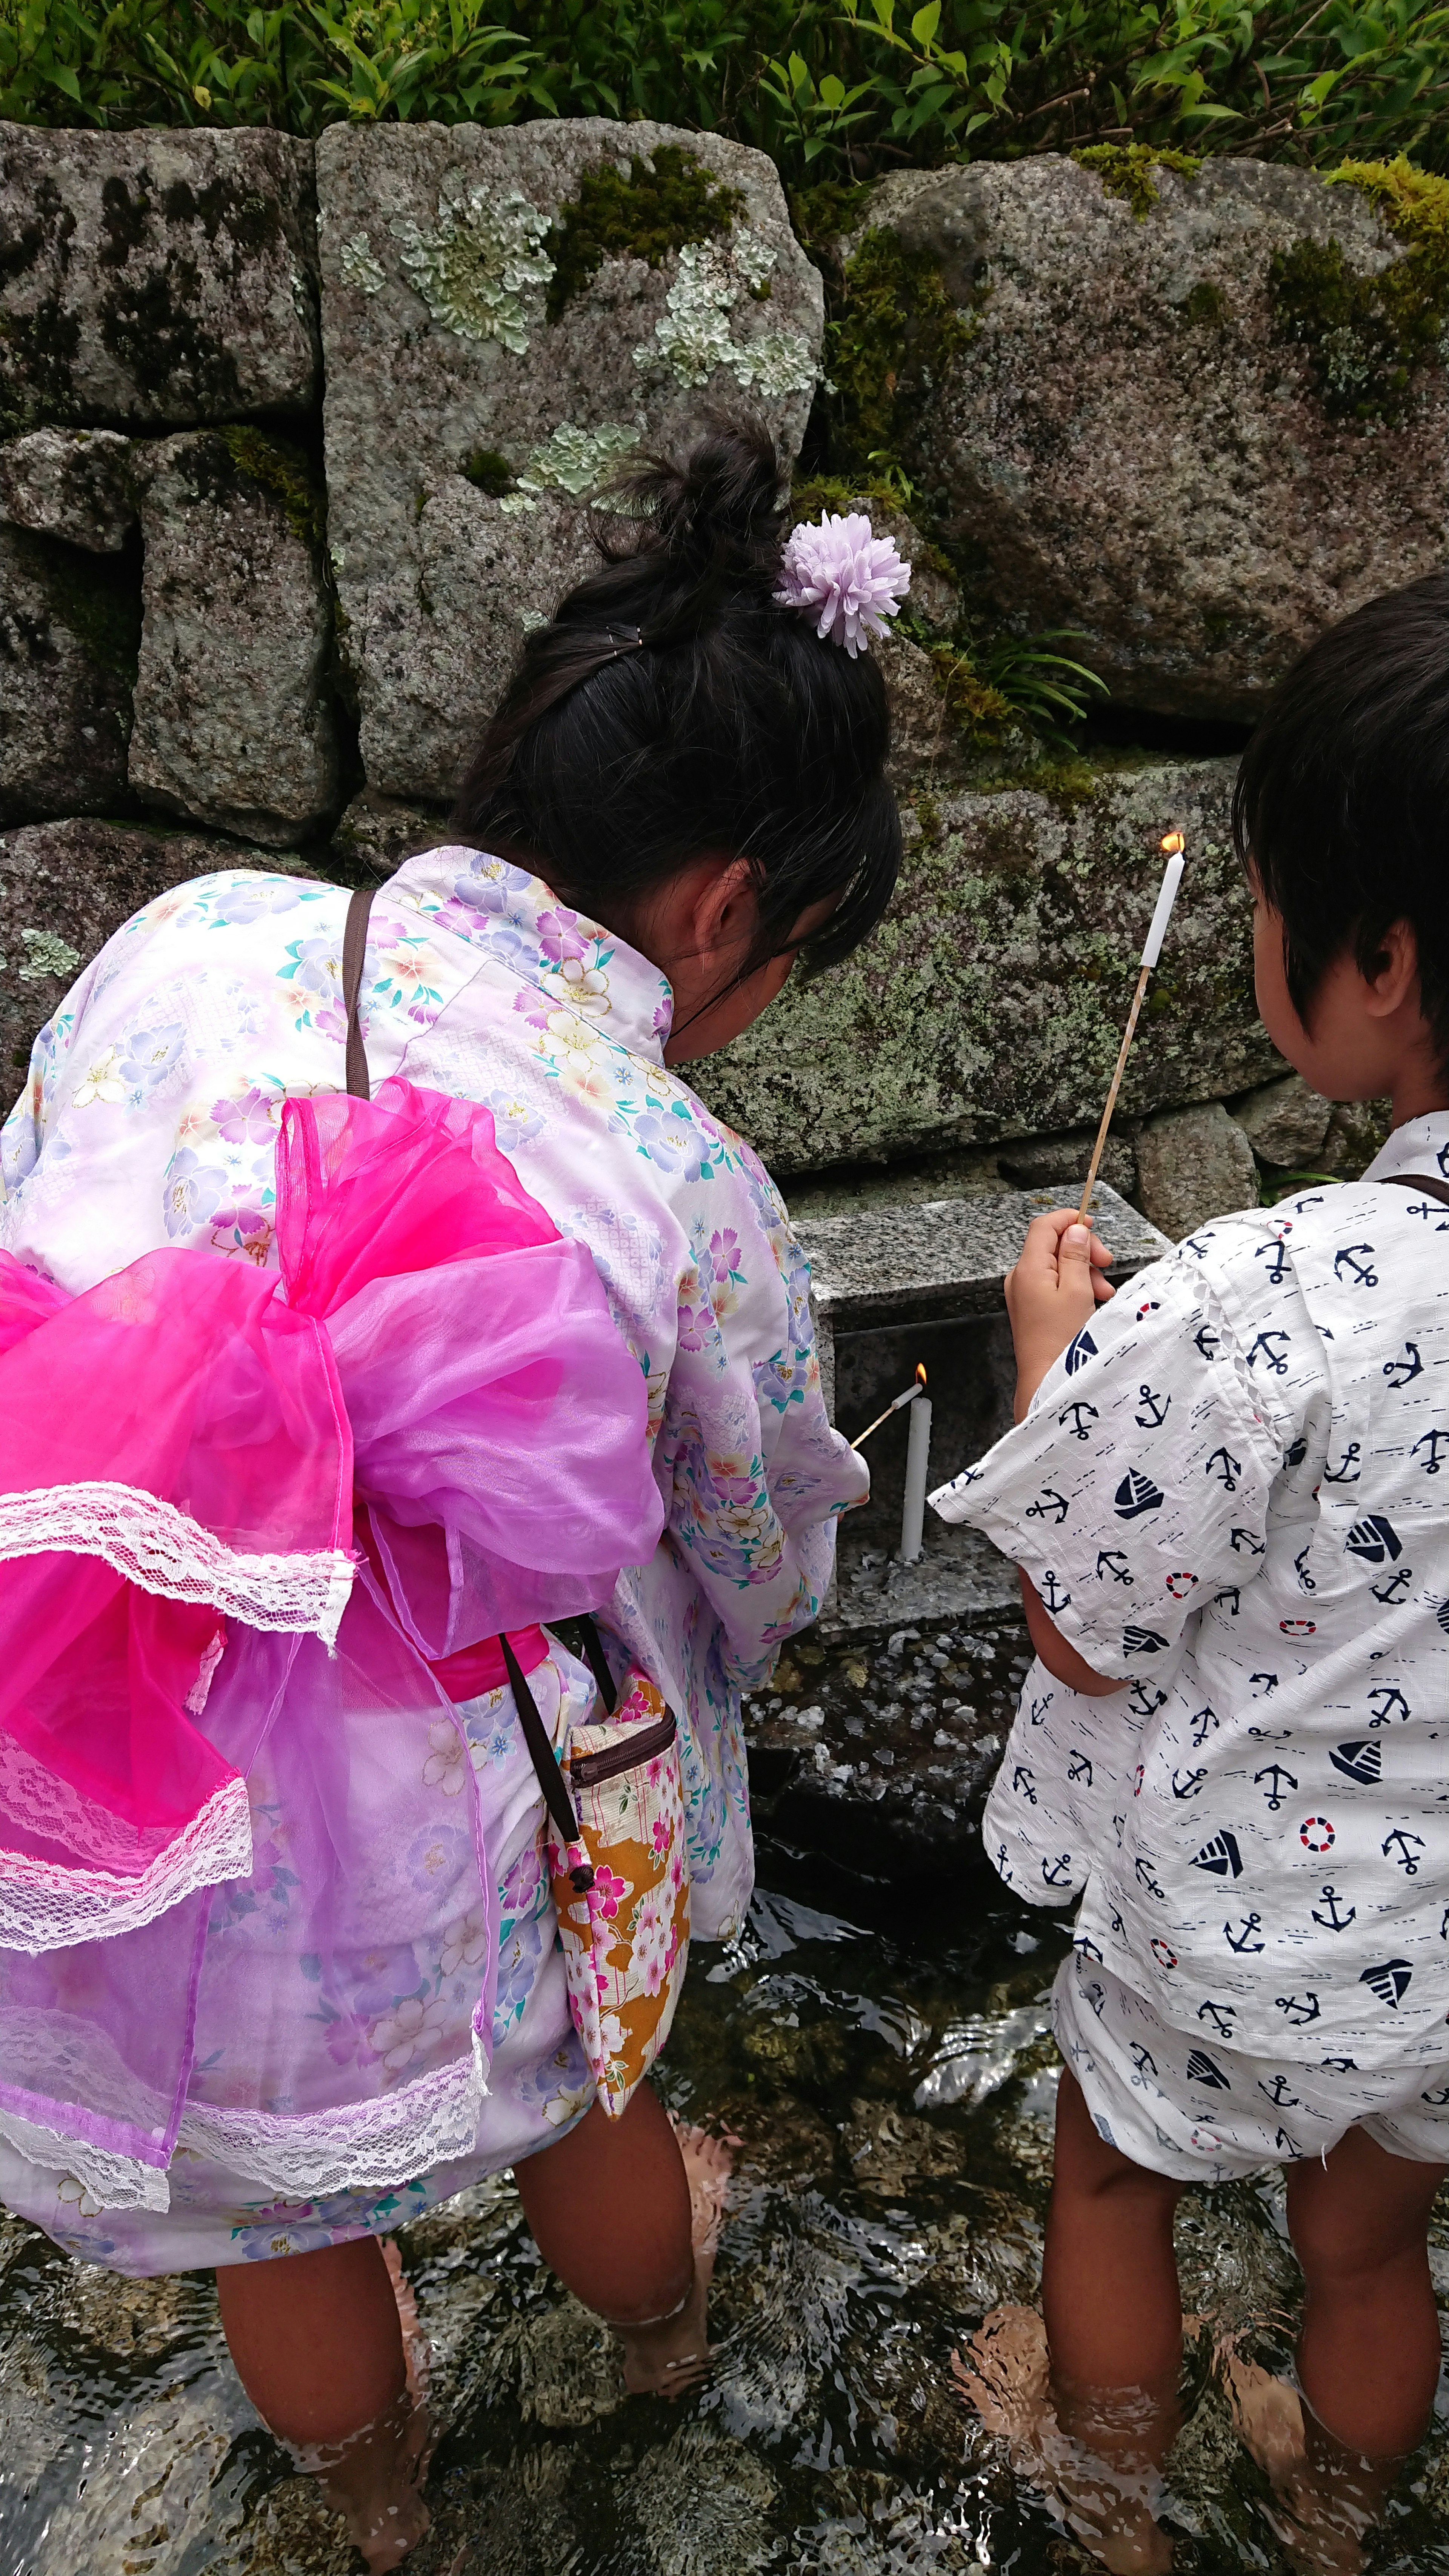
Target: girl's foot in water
[[375, 2481], [671, 2357], [1104, 2488]]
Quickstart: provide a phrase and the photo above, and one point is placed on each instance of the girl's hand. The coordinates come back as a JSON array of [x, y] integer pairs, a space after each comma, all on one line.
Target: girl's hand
[[1053, 1290]]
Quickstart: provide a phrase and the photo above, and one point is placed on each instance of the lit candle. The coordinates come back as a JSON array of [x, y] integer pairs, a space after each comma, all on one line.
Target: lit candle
[[1172, 845], [918, 1460]]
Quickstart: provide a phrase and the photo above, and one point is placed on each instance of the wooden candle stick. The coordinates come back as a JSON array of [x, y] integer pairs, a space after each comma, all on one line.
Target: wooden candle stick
[[1151, 950]]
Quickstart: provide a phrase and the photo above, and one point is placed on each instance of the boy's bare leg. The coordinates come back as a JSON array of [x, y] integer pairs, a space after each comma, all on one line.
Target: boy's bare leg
[[1109, 2279], [1113, 2324], [627, 2212], [1368, 2358], [318, 2346]]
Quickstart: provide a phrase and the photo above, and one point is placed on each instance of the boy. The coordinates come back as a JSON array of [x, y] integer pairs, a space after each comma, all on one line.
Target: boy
[[1227, 1492]]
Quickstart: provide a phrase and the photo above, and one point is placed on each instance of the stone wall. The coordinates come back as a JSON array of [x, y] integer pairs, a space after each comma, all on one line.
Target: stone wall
[[296, 443]]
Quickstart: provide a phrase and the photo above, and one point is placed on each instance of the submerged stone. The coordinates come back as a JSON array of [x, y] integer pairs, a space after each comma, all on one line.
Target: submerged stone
[[509, 317], [154, 278], [70, 483], [233, 718], [990, 1004], [68, 638], [1140, 435]]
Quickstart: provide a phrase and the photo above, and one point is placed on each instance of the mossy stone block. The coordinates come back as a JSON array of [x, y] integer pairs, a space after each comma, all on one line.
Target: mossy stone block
[[234, 719], [990, 1003], [509, 316], [154, 279], [1195, 424], [69, 629]]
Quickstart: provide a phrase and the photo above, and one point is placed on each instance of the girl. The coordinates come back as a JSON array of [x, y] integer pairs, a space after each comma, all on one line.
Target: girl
[[276, 2056]]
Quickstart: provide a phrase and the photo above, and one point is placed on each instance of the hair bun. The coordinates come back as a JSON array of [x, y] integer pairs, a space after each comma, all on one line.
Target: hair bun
[[717, 508]]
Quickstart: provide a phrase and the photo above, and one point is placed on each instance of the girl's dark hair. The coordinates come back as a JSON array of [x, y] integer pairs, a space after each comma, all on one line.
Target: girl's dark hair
[[671, 707], [1342, 801]]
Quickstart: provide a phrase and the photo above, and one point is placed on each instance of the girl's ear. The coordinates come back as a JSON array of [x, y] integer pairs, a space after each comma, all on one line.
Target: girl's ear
[[707, 912], [1396, 979]]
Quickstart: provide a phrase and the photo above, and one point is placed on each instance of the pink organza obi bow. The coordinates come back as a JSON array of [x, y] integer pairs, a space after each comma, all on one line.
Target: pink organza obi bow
[[182, 1451]]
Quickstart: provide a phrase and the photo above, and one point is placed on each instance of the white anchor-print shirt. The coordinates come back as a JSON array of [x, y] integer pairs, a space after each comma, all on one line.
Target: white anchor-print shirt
[[1232, 1492]]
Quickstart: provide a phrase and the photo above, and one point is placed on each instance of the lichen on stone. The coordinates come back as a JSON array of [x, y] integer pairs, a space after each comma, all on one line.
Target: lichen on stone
[[1125, 170], [577, 462], [480, 269], [46, 954], [693, 337], [1367, 334], [360, 266], [645, 211]]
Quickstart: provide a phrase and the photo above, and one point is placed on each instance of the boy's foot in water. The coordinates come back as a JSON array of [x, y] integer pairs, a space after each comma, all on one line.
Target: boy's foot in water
[[1104, 2497], [670, 2358], [1324, 2498]]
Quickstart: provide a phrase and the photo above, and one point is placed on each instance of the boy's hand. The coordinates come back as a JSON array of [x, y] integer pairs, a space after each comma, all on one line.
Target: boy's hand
[[1053, 1290]]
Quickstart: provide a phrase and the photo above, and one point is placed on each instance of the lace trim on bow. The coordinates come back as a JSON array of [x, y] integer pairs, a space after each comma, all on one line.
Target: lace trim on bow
[[163, 1550]]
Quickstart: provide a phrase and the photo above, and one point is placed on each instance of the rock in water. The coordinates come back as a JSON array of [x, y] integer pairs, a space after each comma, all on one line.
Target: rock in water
[[990, 1003], [68, 635], [64, 888], [1192, 1165], [155, 278], [70, 483], [1158, 440], [233, 725], [508, 317]]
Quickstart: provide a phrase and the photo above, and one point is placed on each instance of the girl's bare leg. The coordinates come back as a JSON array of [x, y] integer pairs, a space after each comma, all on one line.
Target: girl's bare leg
[[318, 2347], [627, 2212]]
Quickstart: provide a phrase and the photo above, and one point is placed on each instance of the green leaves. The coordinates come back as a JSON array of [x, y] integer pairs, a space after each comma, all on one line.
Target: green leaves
[[835, 89]]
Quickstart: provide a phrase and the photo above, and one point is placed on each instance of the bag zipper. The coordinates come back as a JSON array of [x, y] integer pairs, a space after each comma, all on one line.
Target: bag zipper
[[586, 1770]]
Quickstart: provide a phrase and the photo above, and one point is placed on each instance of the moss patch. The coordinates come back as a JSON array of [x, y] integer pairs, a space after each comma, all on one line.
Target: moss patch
[[1205, 306], [1366, 336], [821, 215], [896, 336], [1125, 170], [490, 471], [282, 470], [662, 204], [979, 712]]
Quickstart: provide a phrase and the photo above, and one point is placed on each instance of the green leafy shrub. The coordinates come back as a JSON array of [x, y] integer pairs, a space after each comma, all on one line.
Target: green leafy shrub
[[836, 90]]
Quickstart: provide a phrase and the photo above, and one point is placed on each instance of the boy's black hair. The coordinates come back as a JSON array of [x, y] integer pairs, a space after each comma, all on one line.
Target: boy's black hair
[[670, 707], [1342, 802]]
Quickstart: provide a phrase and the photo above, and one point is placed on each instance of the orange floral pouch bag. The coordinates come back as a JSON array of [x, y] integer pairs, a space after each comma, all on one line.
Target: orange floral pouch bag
[[616, 1861]]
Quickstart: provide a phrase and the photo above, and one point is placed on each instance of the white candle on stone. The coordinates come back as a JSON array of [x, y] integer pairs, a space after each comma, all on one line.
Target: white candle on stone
[[918, 1461]]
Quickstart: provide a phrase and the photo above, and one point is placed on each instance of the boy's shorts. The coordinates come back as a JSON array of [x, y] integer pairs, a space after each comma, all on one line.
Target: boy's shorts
[[1203, 2113]]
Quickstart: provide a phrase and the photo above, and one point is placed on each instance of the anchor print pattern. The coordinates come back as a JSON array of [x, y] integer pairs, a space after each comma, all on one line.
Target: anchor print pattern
[[1257, 1514]]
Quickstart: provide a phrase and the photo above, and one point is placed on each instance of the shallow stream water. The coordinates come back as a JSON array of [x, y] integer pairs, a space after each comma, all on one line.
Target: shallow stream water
[[885, 2065]]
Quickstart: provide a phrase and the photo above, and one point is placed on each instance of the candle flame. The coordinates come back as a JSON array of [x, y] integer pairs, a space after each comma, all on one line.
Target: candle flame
[[920, 1372], [1170, 844]]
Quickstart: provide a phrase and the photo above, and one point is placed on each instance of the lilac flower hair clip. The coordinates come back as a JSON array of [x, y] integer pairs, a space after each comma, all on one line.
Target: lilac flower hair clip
[[841, 569]]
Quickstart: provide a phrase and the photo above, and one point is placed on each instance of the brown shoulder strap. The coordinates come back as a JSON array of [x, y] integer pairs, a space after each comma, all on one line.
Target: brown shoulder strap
[[354, 950], [1418, 1181]]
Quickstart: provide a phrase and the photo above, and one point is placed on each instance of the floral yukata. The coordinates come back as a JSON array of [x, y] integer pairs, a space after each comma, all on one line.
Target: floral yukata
[[1231, 1491], [151, 1118]]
